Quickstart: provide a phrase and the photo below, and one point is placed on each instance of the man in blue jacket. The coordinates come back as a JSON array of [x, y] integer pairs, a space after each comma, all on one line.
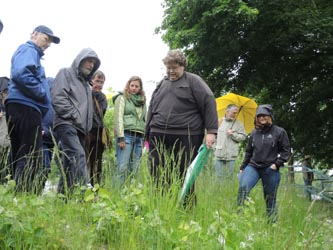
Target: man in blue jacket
[[27, 102]]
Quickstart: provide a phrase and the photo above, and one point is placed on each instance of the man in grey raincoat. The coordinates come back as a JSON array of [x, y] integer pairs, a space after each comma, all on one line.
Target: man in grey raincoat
[[72, 102]]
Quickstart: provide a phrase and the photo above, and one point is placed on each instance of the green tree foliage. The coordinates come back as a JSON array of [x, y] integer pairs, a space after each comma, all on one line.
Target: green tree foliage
[[279, 52]]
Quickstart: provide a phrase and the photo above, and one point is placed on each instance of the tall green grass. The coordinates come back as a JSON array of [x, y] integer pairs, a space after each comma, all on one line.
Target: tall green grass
[[139, 216]]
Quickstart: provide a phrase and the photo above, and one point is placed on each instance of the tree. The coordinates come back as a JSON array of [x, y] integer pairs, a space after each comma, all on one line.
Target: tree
[[279, 52]]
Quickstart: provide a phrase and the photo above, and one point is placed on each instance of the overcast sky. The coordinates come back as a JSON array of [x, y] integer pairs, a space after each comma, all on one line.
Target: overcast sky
[[121, 32]]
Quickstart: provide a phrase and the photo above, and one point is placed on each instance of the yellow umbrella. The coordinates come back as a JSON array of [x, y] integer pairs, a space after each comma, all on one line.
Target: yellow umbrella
[[247, 109]]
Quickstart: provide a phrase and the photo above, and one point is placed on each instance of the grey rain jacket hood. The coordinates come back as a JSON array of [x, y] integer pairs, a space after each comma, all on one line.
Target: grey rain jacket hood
[[86, 53], [71, 94]]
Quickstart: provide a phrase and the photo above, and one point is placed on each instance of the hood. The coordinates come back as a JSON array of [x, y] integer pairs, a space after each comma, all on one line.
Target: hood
[[265, 109], [86, 53]]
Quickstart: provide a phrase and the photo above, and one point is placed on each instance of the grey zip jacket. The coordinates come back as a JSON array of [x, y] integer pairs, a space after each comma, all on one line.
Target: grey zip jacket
[[71, 94]]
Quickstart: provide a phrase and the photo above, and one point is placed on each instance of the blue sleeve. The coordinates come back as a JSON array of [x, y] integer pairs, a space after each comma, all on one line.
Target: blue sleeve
[[28, 74]]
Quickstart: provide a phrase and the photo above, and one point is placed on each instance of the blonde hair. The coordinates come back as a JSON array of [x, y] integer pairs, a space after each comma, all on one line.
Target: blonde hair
[[127, 88]]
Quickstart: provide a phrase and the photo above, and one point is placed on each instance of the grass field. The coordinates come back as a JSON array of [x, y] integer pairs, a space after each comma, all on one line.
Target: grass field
[[141, 217]]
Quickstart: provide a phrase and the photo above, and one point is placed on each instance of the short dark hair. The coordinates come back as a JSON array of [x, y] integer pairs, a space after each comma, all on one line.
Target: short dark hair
[[99, 74]]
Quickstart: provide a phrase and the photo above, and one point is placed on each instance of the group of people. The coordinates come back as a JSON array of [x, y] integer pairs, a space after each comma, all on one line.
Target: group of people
[[65, 112], [68, 110], [43, 111]]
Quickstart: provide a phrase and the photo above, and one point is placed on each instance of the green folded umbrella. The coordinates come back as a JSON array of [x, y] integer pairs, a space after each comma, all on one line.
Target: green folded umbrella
[[194, 170]]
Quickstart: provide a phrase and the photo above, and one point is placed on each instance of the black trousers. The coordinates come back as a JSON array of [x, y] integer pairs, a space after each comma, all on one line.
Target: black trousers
[[24, 128], [170, 155], [94, 149]]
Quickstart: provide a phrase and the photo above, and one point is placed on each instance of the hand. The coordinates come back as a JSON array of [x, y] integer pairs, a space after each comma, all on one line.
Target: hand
[[210, 140], [273, 166], [121, 144]]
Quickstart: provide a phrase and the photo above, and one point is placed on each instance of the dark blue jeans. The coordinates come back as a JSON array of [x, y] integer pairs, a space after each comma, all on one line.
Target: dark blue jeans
[[73, 169], [47, 156], [270, 180]]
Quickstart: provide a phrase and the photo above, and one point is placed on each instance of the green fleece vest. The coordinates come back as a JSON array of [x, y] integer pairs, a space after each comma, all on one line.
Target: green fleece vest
[[131, 119]]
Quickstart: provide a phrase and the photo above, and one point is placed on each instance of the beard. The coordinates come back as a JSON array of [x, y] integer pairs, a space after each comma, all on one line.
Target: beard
[[85, 72]]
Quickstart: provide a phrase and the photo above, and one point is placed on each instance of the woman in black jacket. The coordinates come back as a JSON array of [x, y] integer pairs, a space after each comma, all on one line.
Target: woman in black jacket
[[267, 150]]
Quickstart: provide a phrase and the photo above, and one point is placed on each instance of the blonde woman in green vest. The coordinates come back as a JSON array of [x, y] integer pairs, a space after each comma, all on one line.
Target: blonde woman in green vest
[[129, 124]]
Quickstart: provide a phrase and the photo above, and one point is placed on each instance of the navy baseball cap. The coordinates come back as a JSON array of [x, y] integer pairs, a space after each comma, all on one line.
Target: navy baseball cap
[[47, 31]]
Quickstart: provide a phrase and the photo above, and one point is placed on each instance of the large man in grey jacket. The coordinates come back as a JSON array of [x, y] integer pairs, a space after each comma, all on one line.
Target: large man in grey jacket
[[181, 117], [72, 103]]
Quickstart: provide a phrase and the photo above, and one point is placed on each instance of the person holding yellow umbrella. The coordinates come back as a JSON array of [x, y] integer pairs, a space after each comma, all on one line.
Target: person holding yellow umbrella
[[246, 109], [230, 133]]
